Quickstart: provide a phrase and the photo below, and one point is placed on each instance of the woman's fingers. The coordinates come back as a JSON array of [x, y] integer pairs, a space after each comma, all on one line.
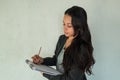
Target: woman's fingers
[[37, 59]]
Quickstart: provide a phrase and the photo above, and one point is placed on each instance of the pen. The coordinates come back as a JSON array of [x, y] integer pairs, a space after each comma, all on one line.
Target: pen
[[39, 51]]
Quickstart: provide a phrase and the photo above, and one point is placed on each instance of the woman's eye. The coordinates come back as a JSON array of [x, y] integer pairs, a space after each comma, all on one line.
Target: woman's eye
[[69, 26]]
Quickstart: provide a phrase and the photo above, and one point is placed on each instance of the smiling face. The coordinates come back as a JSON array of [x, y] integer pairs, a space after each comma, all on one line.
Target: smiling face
[[68, 27]]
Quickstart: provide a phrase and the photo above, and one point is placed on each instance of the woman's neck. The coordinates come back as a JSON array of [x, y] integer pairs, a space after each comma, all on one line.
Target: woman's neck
[[68, 41]]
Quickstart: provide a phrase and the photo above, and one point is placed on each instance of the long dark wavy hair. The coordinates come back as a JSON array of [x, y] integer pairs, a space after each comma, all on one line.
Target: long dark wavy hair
[[80, 52]]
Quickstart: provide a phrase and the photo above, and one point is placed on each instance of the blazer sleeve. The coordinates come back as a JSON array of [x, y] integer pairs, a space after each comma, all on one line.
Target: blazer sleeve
[[73, 74], [51, 61]]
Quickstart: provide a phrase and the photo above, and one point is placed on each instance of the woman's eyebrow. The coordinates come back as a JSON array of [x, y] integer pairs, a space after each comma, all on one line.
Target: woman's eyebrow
[[68, 23]]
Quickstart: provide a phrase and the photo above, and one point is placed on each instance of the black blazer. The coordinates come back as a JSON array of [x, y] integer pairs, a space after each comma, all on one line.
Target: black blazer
[[74, 73]]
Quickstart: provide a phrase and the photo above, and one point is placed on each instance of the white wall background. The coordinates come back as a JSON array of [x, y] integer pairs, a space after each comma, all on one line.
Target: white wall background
[[25, 25]]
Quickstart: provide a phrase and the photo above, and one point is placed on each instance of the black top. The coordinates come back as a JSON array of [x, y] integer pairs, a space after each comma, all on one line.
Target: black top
[[74, 73]]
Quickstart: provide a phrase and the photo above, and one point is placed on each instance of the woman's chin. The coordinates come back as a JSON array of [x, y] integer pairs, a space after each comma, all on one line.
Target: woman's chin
[[66, 35]]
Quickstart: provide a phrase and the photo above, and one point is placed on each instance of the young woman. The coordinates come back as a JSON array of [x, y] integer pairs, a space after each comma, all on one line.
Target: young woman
[[74, 51]]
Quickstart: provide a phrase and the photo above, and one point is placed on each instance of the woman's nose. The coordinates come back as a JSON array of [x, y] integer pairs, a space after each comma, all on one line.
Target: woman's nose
[[65, 27]]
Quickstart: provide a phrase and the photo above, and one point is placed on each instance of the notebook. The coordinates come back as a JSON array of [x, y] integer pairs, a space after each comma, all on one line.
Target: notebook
[[42, 68]]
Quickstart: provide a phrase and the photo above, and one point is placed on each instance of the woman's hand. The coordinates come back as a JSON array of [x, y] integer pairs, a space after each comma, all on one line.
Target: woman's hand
[[37, 59]]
